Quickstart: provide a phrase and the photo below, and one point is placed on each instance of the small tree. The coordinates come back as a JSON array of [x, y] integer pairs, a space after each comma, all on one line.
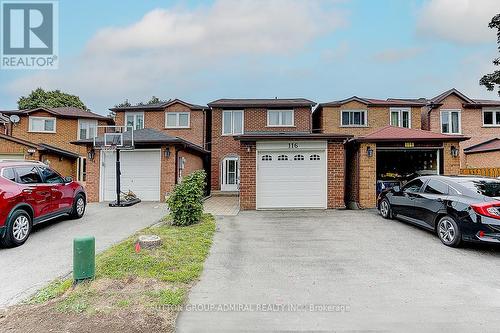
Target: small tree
[[123, 104], [39, 98], [493, 79], [186, 201]]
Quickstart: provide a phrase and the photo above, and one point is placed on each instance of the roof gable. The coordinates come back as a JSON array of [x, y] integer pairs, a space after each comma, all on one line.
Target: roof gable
[[439, 98]]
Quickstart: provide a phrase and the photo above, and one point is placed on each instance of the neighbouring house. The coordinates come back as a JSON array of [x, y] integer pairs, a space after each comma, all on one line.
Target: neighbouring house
[[389, 146], [360, 116], [46, 134], [151, 164], [62, 160], [264, 150], [454, 113], [174, 117], [483, 155]]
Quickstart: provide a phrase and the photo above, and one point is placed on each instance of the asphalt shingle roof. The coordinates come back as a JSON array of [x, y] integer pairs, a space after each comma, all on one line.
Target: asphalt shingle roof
[[261, 102], [489, 145], [392, 133]]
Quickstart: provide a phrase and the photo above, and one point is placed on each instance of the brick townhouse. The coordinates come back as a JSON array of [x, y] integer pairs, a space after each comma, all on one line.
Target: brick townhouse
[[389, 147], [454, 113], [265, 149], [45, 134], [168, 143]]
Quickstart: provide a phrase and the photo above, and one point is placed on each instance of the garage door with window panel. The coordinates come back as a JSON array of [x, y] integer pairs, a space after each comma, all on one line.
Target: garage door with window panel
[[291, 175], [140, 173]]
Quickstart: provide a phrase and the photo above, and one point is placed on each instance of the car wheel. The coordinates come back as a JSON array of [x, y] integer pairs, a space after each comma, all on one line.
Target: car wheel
[[78, 207], [449, 232], [18, 229], [385, 209]]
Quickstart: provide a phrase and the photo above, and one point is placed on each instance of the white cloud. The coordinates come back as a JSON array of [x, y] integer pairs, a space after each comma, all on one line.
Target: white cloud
[[168, 47], [397, 55], [458, 21]]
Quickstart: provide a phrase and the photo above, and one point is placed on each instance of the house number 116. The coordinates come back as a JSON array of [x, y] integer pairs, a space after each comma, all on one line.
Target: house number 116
[[293, 145]]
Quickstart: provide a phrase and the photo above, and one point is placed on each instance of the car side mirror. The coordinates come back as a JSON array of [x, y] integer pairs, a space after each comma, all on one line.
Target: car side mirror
[[396, 189], [68, 179]]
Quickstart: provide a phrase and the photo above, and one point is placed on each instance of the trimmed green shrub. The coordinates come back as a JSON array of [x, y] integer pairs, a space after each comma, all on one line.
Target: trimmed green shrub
[[186, 200]]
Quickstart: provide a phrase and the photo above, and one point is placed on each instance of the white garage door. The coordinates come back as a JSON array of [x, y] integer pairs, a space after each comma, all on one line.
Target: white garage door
[[291, 178], [140, 171], [11, 156]]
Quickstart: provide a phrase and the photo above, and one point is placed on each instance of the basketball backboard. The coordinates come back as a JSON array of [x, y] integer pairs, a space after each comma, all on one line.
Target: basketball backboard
[[114, 137]]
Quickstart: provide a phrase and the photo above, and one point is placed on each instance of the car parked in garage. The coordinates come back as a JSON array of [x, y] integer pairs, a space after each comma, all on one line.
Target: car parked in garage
[[457, 208], [32, 193]]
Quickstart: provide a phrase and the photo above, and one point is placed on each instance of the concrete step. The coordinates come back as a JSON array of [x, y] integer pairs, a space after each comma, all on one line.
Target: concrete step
[[225, 194]]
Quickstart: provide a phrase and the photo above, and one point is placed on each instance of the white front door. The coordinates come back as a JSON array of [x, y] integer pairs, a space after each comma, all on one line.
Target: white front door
[[230, 174], [140, 173], [291, 178]]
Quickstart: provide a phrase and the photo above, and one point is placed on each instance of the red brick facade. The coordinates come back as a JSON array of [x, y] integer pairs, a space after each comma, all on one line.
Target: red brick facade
[[196, 132], [471, 124], [255, 120]]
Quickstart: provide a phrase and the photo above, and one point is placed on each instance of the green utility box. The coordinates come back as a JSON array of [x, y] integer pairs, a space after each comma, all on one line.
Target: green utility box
[[83, 258]]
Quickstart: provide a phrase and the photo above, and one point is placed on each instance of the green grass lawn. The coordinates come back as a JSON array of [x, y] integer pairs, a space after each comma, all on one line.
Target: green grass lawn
[[150, 278]]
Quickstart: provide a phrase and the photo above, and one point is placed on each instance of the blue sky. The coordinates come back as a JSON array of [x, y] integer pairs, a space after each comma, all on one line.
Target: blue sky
[[319, 49]]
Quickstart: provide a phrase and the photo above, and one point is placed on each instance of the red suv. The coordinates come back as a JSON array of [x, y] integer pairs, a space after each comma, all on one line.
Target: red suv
[[31, 193]]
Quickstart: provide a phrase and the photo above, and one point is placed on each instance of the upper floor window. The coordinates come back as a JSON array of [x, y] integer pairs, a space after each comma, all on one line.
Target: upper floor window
[[280, 118], [177, 119], [87, 129], [232, 122], [354, 118], [42, 124], [401, 117], [450, 122], [491, 117], [134, 120]]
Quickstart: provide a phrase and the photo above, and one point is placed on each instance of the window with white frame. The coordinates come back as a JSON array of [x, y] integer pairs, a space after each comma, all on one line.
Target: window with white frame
[[87, 128], [491, 117], [401, 117], [42, 124], [232, 122], [450, 121], [280, 118], [354, 118], [82, 169], [134, 120], [177, 119]]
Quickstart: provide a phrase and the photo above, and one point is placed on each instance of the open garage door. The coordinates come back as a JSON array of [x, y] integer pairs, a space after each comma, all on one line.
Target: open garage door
[[292, 178], [140, 173]]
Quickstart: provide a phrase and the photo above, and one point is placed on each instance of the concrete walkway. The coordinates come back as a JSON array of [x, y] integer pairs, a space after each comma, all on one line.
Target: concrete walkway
[[48, 253], [222, 205], [340, 271]]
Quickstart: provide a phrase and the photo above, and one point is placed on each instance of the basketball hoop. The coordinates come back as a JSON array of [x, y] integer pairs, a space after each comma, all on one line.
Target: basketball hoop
[[111, 147]]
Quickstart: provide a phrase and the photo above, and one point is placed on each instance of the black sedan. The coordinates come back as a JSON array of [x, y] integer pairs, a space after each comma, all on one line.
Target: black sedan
[[457, 208]]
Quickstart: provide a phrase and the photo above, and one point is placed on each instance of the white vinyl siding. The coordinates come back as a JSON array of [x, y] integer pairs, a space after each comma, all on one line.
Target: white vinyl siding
[[134, 120], [87, 128], [177, 119], [400, 117], [353, 118], [451, 122], [232, 122], [280, 118], [491, 118], [42, 124]]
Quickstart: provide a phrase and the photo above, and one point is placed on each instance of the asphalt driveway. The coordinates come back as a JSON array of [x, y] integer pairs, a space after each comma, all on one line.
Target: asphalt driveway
[[340, 270], [48, 253]]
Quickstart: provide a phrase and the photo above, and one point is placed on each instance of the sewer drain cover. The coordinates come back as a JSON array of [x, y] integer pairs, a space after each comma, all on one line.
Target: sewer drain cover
[[149, 241]]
